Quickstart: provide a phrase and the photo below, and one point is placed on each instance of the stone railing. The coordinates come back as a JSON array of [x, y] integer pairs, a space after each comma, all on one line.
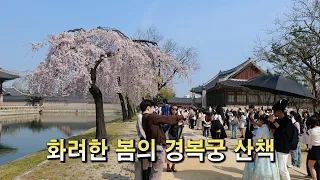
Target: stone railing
[[18, 110]]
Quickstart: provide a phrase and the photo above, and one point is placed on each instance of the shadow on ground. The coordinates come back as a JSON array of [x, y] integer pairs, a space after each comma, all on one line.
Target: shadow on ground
[[240, 172], [203, 175], [114, 176]]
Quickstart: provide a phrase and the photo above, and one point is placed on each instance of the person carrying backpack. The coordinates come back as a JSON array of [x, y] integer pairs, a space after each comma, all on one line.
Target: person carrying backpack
[[285, 136]]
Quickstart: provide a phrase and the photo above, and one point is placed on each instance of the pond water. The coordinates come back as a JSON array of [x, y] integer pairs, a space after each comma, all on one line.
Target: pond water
[[18, 139]]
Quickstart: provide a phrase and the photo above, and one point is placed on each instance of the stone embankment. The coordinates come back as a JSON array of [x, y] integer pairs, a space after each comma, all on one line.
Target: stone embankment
[[18, 110]]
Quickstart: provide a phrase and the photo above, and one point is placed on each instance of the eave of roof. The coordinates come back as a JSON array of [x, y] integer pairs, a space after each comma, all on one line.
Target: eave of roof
[[7, 75], [12, 89], [177, 100], [197, 89]]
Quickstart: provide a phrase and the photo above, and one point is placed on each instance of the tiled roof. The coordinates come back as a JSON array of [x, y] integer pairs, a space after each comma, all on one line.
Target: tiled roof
[[12, 91], [231, 82], [225, 75], [15, 98], [197, 89], [177, 100], [6, 75]]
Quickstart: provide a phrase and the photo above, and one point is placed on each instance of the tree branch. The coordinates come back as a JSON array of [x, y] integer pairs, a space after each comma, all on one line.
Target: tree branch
[[145, 41], [93, 71], [169, 79], [311, 67]]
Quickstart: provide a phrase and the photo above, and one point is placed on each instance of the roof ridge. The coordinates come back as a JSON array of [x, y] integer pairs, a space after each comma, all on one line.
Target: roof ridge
[[9, 72], [16, 90], [242, 66], [223, 72], [237, 79]]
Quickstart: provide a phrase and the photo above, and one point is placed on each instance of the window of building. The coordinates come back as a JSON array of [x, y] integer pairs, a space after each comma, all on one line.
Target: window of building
[[253, 99], [230, 98], [262, 99], [241, 98]]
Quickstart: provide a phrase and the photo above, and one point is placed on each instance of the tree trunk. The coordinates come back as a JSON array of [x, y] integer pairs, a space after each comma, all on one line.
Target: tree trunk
[[315, 90], [130, 113], [123, 106], [101, 132]]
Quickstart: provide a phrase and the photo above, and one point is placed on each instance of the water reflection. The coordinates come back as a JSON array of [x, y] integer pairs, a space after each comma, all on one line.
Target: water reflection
[[5, 149], [20, 136]]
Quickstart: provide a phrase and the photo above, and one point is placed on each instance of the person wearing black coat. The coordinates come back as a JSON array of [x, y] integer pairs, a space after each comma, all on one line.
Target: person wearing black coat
[[250, 125], [217, 129], [283, 133]]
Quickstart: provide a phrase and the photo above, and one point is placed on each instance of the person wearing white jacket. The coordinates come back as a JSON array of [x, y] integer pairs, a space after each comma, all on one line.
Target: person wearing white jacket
[[146, 165]]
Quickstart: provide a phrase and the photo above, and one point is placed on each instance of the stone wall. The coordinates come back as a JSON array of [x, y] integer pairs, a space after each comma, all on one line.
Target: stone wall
[[66, 106], [18, 110], [77, 106], [15, 108]]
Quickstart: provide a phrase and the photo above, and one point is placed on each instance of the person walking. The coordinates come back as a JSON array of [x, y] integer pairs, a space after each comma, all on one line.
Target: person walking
[[218, 115], [226, 119], [295, 154], [145, 164], [304, 138], [165, 108], [314, 145], [234, 122], [263, 169], [207, 125], [217, 129], [152, 126], [191, 118], [174, 133], [200, 117], [242, 120], [283, 133], [251, 121]]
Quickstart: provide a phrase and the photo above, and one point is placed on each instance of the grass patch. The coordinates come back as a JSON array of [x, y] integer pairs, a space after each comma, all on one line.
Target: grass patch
[[19, 166], [14, 168]]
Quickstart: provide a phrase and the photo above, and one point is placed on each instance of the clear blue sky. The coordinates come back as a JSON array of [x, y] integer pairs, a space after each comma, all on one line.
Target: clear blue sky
[[222, 31]]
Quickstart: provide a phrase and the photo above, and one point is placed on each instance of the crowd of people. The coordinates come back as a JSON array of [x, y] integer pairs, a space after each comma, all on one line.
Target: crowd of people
[[289, 130]]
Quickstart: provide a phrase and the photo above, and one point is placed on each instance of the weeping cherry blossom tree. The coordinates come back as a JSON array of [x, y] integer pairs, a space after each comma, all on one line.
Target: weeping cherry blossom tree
[[97, 62]]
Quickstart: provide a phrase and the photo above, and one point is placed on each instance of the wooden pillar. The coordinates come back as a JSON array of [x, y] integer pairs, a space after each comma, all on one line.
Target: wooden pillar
[[226, 96], [1, 93], [204, 97], [193, 96], [247, 98]]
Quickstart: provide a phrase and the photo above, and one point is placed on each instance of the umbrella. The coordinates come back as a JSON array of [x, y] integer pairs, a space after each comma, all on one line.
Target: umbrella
[[278, 85]]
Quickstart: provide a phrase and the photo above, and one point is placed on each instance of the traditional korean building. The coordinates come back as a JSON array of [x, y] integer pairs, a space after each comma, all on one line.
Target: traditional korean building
[[225, 88], [13, 96], [185, 102], [5, 76]]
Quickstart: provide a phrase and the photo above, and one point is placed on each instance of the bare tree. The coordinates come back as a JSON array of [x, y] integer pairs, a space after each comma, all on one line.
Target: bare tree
[[186, 56], [294, 48]]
